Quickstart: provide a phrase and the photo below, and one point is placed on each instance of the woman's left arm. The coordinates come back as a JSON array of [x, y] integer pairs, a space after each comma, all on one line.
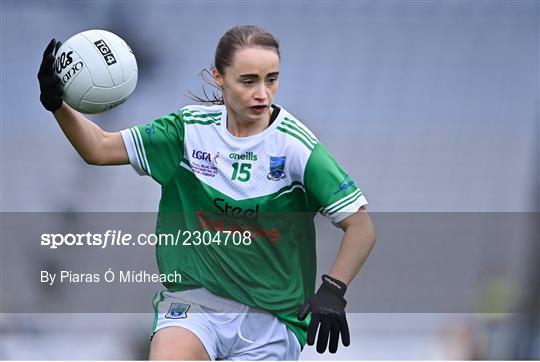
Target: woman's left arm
[[327, 306], [355, 246]]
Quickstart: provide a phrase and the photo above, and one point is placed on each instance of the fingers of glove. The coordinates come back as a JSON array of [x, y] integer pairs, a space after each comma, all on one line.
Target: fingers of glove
[[46, 68], [50, 48], [50, 82], [335, 327], [312, 329], [324, 331], [303, 311], [57, 82], [344, 328], [57, 92], [50, 85], [58, 45]]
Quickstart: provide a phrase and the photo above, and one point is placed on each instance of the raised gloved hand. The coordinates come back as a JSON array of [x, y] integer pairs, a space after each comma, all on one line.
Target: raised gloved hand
[[49, 82], [327, 308]]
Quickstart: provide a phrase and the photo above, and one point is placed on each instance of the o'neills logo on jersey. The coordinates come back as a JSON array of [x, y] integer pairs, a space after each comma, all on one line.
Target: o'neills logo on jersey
[[248, 156]]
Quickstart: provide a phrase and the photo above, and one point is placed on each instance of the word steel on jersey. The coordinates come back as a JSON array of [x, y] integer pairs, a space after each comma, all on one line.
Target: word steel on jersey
[[236, 212]]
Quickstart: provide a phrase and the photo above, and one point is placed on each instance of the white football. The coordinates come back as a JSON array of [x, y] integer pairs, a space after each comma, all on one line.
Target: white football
[[97, 69]]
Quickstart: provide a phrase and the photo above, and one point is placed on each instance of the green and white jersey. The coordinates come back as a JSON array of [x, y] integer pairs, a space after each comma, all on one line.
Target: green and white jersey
[[270, 184]]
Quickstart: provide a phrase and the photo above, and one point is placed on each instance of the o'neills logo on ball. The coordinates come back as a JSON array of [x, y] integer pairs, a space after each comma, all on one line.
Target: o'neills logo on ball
[[63, 61], [105, 52], [71, 72]]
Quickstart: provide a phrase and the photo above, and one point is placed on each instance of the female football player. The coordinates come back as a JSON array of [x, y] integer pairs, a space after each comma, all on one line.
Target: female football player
[[248, 171]]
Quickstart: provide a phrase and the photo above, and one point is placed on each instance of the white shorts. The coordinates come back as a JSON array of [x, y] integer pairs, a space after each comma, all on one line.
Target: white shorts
[[228, 329]]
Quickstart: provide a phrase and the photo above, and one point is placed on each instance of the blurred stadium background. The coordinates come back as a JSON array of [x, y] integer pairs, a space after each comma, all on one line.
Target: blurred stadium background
[[432, 106]]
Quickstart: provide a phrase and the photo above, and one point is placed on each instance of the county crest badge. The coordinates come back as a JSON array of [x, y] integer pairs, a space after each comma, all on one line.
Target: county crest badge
[[177, 311], [277, 168]]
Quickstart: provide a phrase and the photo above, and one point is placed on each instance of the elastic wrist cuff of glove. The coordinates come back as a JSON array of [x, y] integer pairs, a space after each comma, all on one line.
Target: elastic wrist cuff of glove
[[336, 286]]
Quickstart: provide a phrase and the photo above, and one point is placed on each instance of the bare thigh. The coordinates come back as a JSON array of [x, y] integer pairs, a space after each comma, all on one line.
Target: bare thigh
[[177, 343]]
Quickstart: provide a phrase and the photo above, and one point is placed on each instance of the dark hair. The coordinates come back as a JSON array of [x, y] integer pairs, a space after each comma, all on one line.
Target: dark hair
[[239, 37]]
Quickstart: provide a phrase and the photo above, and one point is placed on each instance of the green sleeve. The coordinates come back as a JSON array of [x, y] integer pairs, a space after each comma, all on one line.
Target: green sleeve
[[156, 149], [329, 188]]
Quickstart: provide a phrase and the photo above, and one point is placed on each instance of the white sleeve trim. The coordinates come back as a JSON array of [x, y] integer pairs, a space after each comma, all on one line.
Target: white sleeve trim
[[131, 149], [343, 213]]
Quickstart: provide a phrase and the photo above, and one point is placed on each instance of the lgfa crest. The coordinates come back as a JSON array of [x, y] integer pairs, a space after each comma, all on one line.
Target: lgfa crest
[[277, 168], [177, 311]]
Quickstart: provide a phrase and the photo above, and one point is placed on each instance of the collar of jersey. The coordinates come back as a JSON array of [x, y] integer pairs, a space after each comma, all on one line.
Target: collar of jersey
[[253, 138]]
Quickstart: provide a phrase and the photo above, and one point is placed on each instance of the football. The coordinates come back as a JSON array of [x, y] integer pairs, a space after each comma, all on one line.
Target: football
[[97, 70]]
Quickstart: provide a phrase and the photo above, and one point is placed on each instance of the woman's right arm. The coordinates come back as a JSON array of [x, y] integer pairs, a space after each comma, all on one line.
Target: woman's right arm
[[94, 145]]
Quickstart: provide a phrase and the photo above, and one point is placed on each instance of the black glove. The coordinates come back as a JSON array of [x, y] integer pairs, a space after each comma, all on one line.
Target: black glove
[[49, 82], [327, 308]]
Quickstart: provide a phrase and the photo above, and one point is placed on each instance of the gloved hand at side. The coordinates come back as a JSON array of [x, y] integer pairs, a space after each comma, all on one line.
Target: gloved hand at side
[[327, 308]]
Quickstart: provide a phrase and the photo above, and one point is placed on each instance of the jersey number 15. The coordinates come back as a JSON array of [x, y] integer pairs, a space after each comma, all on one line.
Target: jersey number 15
[[241, 171]]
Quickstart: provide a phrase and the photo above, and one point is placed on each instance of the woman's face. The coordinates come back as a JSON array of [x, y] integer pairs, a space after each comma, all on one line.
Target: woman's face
[[250, 83]]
